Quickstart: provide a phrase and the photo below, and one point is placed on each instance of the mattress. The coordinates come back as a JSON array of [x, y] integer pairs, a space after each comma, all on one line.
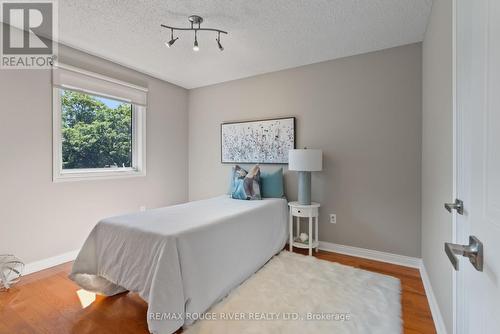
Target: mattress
[[183, 258]]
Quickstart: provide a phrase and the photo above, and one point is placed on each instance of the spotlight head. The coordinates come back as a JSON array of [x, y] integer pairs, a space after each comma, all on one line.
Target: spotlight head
[[221, 48], [195, 46], [171, 42]]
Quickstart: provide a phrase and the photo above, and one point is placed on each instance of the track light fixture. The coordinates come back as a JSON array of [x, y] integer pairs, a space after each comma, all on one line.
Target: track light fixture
[[194, 20], [172, 39]]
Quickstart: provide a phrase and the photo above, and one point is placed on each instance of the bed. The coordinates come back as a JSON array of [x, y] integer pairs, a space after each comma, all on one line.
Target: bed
[[183, 258]]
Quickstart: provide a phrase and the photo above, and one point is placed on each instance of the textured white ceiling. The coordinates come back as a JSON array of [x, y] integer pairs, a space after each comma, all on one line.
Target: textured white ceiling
[[264, 35]]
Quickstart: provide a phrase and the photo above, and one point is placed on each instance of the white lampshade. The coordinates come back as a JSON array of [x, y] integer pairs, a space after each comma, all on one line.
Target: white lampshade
[[305, 160]]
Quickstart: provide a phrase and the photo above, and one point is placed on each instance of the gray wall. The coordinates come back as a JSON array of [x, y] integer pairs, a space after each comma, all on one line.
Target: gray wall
[[40, 219], [437, 154], [363, 111]]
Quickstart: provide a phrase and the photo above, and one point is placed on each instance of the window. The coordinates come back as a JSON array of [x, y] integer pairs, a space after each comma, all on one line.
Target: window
[[96, 131], [97, 135]]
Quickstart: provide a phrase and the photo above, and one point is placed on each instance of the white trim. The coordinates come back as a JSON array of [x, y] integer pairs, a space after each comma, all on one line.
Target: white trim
[[401, 260], [433, 304], [33, 267], [454, 279], [94, 174]]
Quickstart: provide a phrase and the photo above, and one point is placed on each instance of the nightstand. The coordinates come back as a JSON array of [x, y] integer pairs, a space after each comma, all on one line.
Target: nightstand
[[304, 211]]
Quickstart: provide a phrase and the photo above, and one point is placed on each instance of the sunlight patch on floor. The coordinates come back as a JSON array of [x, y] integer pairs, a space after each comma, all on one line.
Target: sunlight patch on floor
[[86, 297]]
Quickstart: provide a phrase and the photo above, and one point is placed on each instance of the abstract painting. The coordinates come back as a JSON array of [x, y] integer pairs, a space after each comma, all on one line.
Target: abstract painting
[[264, 141]]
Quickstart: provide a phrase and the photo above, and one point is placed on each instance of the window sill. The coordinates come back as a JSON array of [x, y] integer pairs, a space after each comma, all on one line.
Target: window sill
[[89, 175]]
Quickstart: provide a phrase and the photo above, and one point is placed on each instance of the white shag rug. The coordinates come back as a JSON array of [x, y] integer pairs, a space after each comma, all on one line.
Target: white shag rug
[[294, 293]]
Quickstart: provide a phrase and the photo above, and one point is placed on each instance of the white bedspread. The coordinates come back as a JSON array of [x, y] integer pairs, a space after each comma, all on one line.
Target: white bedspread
[[181, 259]]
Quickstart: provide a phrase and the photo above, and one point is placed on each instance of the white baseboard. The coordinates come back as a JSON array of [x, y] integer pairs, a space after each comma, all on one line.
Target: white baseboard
[[401, 260], [32, 267], [431, 298]]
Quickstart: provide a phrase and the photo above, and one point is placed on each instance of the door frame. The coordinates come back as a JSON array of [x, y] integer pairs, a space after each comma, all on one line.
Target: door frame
[[457, 328], [460, 230], [456, 161]]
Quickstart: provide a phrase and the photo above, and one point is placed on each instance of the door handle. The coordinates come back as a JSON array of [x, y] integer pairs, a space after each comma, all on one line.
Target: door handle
[[474, 251], [457, 205]]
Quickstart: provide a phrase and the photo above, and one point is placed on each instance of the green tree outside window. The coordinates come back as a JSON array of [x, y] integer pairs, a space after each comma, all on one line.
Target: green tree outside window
[[96, 132]]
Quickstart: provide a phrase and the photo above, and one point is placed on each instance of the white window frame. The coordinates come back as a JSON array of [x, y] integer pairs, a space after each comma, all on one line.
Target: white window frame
[[138, 145]]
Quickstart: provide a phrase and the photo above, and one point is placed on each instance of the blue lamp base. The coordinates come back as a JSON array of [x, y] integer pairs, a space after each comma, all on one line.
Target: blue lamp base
[[305, 188]]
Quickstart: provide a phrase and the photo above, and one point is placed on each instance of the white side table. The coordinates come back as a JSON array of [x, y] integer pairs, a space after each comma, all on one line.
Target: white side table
[[304, 211]]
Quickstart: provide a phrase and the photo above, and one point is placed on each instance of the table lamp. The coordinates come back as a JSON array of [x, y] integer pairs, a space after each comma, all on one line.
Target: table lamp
[[305, 161]]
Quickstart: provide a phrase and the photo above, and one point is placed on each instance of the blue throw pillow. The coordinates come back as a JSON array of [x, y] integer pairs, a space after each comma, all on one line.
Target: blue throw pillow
[[272, 184], [246, 185], [236, 173], [231, 182]]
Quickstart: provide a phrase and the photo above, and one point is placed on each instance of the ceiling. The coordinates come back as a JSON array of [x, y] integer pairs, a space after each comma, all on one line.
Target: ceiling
[[264, 35]]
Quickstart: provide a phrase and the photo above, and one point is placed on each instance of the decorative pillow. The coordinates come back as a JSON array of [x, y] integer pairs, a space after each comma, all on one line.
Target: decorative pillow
[[272, 184], [236, 173], [231, 181], [246, 185]]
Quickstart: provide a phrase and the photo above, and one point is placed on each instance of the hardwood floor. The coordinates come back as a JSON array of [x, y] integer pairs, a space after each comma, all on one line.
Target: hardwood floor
[[47, 302]]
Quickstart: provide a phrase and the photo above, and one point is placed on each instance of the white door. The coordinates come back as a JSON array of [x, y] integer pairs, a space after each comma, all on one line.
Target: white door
[[477, 51]]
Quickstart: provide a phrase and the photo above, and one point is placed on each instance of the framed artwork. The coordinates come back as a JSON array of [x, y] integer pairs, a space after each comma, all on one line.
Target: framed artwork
[[263, 141]]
